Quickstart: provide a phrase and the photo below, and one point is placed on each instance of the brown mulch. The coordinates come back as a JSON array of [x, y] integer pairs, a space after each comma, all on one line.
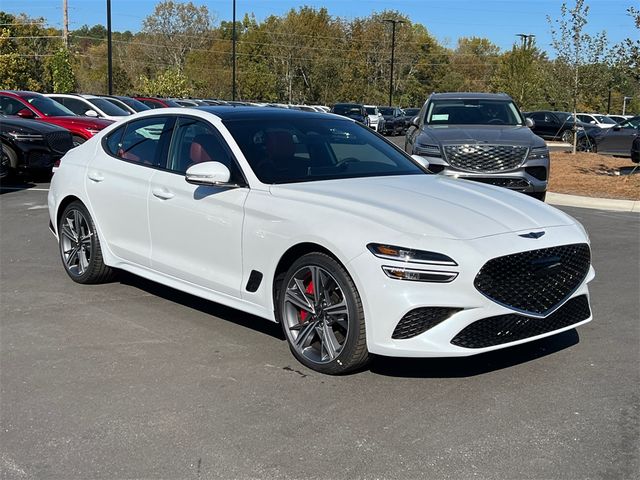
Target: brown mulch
[[593, 175]]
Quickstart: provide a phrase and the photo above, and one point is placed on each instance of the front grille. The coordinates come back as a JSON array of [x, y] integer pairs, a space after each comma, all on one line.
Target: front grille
[[420, 320], [512, 327], [535, 281], [485, 158], [59, 142], [512, 183]]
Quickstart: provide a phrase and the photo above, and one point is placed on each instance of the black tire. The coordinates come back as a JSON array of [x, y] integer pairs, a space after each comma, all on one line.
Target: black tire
[[78, 140], [567, 136], [538, 195], [339, 287], [13, 159], [76, 219], [586, 144]]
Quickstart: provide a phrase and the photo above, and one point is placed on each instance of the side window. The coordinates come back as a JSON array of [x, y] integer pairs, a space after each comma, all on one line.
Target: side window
[[76, 106], [197, 141], [10, 106], [143, 140], [549, 118], [151, 103], [113, 142]]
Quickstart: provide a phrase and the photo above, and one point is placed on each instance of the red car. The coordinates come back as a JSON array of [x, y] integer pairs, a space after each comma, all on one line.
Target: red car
[[38, 107], [155, 102]]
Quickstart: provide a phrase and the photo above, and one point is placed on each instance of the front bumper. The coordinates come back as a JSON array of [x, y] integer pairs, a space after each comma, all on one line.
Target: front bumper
[[386, 301]]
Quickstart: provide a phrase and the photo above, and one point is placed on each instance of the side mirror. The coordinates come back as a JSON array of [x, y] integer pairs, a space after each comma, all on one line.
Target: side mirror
[[423, 162], [208, 173], [25, 113], [592, 122], [529, 122], [616, 128], [91, 113], [415, 121]]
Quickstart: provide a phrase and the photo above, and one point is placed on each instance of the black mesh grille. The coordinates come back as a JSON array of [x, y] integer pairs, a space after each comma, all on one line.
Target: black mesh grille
[[60, 142], [513, 183], [485, 158], [511, 327], [420, 320], [535, 281]]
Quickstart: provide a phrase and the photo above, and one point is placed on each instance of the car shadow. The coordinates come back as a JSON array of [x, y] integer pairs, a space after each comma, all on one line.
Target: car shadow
[[458, 367], [12, 184], [205, 306]]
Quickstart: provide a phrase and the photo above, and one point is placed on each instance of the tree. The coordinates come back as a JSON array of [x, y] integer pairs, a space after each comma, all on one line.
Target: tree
[[170, 83], [174, 29], [520, 74], [576, 48], [62, 76]]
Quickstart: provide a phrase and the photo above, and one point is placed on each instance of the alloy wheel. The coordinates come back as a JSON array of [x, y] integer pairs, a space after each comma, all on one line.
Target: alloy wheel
[[75, 242], [316, 314]]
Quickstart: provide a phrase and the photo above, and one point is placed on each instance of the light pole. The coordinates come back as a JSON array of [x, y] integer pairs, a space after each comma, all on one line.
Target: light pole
[[109, 52], [624, 104], [393, 22], [526, 39], [233, 48]]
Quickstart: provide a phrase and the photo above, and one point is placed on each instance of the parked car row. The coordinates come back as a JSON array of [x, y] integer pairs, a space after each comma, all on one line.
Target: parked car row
[[384, 120]]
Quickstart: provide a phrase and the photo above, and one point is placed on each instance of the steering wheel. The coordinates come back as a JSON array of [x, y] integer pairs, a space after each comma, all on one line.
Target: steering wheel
[[496, 121]]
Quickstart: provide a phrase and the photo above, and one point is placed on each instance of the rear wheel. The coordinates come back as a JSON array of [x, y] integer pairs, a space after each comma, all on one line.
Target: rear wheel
[[80, 247], [322, 315], [567, 136], [586, 144]]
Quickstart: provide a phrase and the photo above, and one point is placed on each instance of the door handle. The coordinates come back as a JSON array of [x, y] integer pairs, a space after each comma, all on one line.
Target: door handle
[[95, 177], [162, 193]]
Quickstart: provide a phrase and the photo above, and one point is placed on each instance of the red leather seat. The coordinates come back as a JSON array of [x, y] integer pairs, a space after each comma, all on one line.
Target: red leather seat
[[201, 149]]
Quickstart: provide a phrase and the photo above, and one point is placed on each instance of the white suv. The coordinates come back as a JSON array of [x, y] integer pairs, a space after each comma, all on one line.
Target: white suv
[[376, 120]]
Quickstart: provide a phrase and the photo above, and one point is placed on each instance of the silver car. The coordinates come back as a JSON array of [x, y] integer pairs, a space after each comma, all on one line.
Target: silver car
[[481, 137]]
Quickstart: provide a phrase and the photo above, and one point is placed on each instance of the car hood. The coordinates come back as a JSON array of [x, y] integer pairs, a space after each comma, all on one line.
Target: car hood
[[427, 205], [490, 134], [23, 123], [83, 122]]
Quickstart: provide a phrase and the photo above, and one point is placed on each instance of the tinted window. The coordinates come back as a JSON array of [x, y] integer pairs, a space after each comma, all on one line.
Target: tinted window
[[473, 112], [303, 150], [152, 104], [196, 141], [75, 105], [107, 107], [143, 140], [631, 123], [113, 142], [49, 107], [10, 106], [137, 105], [347, 109]]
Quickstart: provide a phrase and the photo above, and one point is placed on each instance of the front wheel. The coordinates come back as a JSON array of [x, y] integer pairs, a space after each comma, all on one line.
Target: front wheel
[[586, 144], [322, 315], [567, 136], [80, 247]]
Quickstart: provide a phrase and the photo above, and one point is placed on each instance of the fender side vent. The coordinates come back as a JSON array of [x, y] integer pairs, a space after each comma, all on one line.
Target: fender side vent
[[255, 278]]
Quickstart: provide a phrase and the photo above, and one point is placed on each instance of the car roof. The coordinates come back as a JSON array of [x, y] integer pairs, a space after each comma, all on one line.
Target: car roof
[[469, 95], [231, 112]]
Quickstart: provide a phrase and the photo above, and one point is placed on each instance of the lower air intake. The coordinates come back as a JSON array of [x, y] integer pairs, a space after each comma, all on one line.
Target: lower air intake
[[420, 320], [511, 327]]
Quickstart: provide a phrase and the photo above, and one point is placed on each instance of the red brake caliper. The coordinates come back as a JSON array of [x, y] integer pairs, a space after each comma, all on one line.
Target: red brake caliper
[[303, 313]]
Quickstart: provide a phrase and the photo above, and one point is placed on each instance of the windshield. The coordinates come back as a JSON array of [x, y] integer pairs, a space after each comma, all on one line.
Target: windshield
[[411, 112], [603, 119], [371, 110], [137, 105], [473, 112], [49, 107], [386, 111], [347, 109], [305, 150], [107, 107]]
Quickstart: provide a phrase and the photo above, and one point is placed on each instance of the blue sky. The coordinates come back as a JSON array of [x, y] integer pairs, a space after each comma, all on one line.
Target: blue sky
[[447, 20]]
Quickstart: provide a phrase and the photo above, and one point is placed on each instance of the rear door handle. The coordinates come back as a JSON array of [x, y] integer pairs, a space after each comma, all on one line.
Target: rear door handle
[[162, 193], [95, 177]]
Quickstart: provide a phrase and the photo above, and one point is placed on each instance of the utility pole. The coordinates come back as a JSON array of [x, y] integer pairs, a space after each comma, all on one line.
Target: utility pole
[[109, 51], [393, 22], [624, 104], [233, 48], [65, 24], [526, 39]]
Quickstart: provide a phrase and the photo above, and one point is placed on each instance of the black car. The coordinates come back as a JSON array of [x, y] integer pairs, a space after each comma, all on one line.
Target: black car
[[393, 120], [556, 125], [616, 140], [33, 145], [352, 110], [409, 115], [635, 150]]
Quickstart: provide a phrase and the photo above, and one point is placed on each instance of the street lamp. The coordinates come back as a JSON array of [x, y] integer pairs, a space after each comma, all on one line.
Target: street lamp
[[233, 48], [393, 22], [526, 39]]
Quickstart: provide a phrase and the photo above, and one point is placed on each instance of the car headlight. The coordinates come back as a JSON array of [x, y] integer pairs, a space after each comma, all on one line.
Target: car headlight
[[427, 150], [538, 153], [415, 275], [26, 137], [401, 254]]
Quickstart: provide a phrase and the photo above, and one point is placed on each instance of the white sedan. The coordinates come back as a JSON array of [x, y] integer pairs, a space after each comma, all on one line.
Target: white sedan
[[318, 223]]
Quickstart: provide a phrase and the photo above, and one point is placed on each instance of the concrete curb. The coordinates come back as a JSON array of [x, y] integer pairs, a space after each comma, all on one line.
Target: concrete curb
[[595, 203]]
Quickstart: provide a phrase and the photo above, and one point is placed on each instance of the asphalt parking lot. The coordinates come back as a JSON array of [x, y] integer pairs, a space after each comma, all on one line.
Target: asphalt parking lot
[[135, 380]]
